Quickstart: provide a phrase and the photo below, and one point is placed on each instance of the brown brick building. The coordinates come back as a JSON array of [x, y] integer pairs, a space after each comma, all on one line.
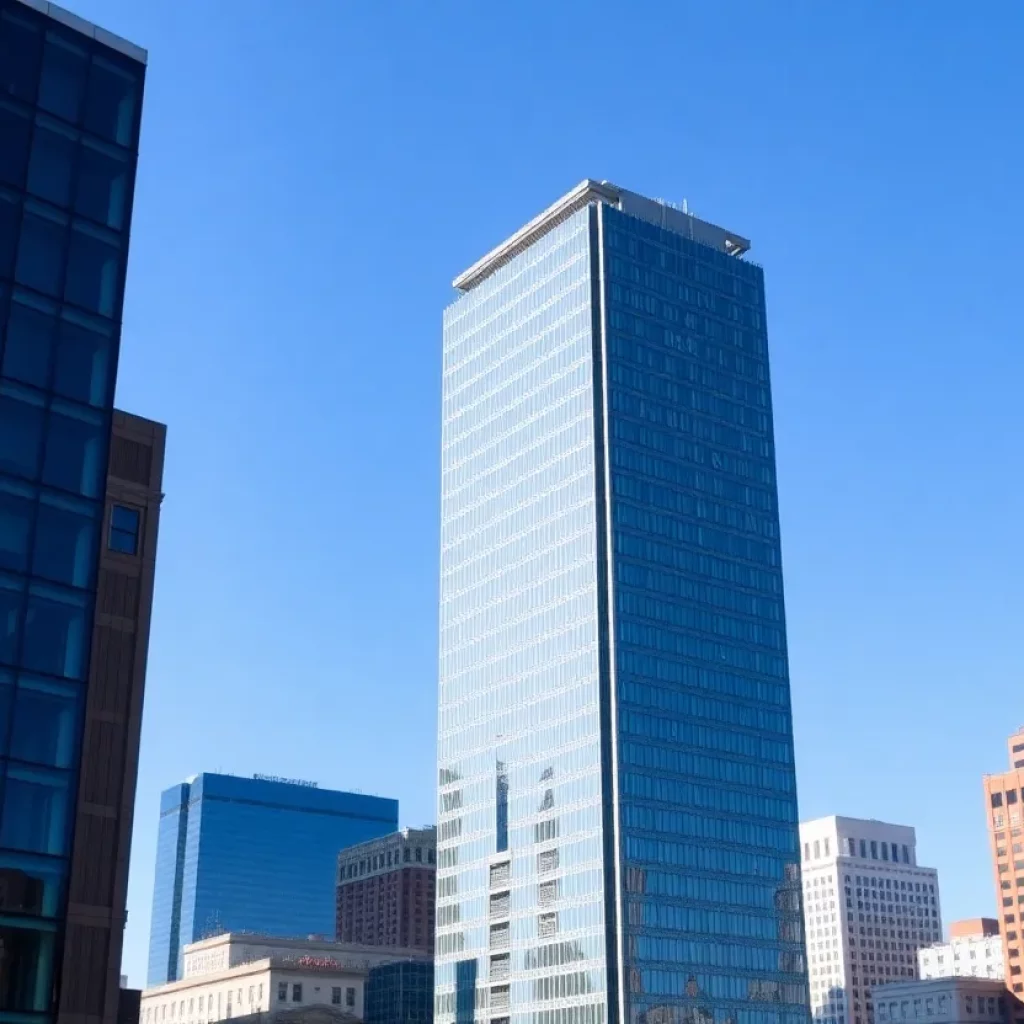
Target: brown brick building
[[385, 894], [1004, 803], [90, 991]]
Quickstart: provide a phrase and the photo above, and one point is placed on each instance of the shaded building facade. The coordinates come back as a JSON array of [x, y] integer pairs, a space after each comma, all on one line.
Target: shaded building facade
[[400, 993], [385, 894], [617, 831], [223, 838], [70, 109]]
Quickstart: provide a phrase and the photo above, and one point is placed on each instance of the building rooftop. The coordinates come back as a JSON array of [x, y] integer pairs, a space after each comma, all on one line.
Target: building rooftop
[[590, 191], [87, 28]]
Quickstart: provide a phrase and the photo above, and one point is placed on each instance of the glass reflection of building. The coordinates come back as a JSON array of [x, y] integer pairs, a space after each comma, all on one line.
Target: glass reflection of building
[[70, 103], [617, 836]]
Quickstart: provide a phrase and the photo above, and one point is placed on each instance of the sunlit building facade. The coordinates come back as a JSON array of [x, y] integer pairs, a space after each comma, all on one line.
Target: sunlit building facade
[[617, 836]]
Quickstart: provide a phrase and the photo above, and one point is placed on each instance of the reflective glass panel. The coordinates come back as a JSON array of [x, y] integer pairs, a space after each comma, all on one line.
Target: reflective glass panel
[[35, 811], [29, 345], [51, 163], [46, 722], [82, 370], [65, 540], [75, 449], [62, 84], [21, 431], [56, 632]]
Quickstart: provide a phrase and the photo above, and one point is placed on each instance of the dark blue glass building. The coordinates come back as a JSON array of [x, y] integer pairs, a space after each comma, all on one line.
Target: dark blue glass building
[[617, 836], [70, 105], [400, 993], [259, 855]]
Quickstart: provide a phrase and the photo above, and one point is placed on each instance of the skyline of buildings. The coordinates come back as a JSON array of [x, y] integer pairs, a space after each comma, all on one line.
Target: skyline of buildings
[[386, 890], [617, 817], [868, 908], [80, 494], [223, 838]]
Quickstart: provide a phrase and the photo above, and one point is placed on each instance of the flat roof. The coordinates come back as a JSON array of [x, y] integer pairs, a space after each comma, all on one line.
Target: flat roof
[[87, 28], [591, 191]]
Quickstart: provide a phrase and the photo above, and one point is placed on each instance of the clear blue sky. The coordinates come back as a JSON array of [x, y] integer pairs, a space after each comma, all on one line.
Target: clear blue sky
[[314, 174]]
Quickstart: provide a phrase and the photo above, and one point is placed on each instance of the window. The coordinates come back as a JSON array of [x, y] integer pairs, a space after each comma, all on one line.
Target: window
[[282, 991], [336, 995], [997, 799], [350, 996], [817, 849], [124, 530], [297, 993]]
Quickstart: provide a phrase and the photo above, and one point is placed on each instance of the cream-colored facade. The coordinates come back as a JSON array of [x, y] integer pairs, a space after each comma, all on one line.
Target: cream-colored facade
[[235, 975]]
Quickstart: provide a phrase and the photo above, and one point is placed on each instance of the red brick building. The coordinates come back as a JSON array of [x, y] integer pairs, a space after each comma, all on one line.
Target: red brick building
[[385, 892]]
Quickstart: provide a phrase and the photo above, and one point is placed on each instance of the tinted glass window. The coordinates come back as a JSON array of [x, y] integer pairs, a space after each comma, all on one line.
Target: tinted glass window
[[56, 632], [113, 97], [29, 345], [40, 252], [6, 698], [9, 213], [124, 529], [82, 369], [65, 540], [93, 267], [35, 812], [21, 432], [20, 46], [102, 184], [12, 601], [62, 84], [45, 722], [74, 450], [15, 519], [15, 130], [51, 163]]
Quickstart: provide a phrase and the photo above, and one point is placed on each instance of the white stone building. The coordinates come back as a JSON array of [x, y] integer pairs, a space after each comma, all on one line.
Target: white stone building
[[868, 908], [236, 974], [942, 1001], [974, 950]]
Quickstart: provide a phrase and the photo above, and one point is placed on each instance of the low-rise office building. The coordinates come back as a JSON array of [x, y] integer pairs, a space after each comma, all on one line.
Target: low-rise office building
[[974, 950], [942, 1001], [241, 975]]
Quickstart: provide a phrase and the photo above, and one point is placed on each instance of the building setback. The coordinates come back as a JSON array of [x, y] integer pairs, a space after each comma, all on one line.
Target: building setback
[[385, 894], [77, 526], [617, 833], [868, 908], [223, 838]]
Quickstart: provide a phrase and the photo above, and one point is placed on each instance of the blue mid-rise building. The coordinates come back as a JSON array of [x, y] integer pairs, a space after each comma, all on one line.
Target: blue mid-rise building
[[618, 829], [251, 854]]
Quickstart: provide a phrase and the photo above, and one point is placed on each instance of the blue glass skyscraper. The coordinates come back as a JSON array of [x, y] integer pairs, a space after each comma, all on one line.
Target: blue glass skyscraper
[[259, 855], [617, 835]]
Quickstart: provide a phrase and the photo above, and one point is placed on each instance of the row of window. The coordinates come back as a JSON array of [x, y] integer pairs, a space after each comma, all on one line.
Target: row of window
[[643, 409], [703, 826], [59, 72], [704, 858], [686, 398], [64, 167], [632, 512], [690, 734], [48, 252], [377, 861], [721, 922], [57, 349], [690, 794], [630, 603], [688, 763], [681, 501], [658, 360], [665, 641], [765, 895]]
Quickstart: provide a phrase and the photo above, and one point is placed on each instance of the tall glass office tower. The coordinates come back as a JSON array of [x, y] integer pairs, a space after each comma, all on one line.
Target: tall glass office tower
[[257, 855], [617, 834]]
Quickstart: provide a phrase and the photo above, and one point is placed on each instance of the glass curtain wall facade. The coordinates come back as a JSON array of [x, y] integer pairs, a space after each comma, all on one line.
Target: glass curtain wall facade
[[617, 833], [69, 121], [223, 838]]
